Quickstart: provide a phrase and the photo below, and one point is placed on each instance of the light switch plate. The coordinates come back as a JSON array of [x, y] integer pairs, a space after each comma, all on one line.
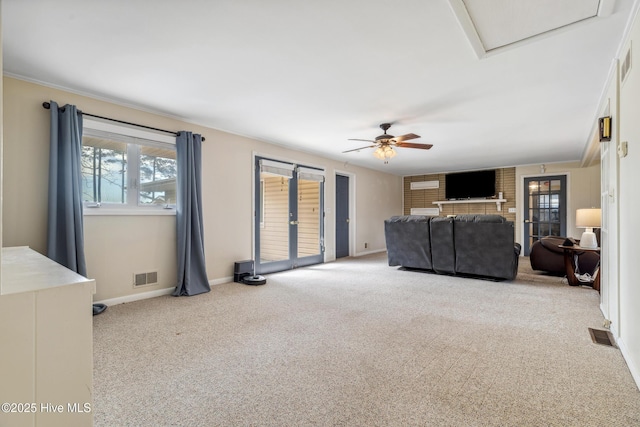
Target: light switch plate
[[623, 148], [512, 210]]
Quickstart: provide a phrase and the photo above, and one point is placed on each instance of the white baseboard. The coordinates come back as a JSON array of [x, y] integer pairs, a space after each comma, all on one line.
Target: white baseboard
[[221, 281], [635, 372], [136, 297], [377, 251], [155, 293]]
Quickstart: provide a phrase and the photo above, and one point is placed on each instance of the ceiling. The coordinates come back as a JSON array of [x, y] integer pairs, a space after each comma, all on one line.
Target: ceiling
[[472, 77]]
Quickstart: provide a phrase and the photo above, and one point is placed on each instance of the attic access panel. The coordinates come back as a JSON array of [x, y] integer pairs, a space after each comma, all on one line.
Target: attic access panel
[[496, 24]]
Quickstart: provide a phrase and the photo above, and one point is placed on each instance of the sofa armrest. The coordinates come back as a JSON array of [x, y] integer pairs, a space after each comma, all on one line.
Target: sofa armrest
[[407, 239]]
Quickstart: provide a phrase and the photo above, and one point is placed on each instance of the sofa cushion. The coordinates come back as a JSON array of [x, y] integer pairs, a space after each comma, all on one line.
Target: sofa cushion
[[480, 218], [443, 253]]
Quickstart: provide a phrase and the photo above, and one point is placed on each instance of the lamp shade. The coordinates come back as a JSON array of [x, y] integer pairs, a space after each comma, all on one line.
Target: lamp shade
[[588, 218]]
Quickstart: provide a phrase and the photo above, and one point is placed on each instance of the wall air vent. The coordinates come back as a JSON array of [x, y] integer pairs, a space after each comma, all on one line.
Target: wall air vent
[[424, 185], [626, 66], [141, 279], [425, 211]]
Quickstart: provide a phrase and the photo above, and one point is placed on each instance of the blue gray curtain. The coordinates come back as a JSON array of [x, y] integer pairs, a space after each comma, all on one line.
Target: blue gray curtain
[[192, 274], [65, 233]]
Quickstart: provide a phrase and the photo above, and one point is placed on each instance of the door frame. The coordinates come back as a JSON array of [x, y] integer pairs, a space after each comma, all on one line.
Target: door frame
[[352, 212], [609, 242], [254, 196], [524, 192]]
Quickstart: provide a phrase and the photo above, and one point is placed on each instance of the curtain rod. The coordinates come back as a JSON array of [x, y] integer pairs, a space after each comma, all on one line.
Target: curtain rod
[[47, 106]]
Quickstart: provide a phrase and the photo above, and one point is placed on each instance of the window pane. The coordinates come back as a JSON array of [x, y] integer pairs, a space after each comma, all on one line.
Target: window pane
[[544, 229], [543, 201], [104, 165], [158, 171], [534, 202], [535, 215], [544, 215]]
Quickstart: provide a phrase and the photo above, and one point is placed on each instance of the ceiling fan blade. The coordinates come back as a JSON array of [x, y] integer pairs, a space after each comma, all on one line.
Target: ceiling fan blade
[[361, 148], [365, 140], [413, 145], [406, 137]]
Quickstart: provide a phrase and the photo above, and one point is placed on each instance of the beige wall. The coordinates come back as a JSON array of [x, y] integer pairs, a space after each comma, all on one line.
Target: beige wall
[[583, 191], [119, 246]]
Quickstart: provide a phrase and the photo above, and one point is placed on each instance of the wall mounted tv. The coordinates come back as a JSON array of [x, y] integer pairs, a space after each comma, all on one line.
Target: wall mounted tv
[[470, 185]]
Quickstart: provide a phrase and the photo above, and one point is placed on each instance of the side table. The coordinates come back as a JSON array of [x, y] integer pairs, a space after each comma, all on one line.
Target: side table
[[570, 268]]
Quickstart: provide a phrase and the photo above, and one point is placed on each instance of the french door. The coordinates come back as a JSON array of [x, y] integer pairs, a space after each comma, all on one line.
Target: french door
[[545, 208], [289, 217]]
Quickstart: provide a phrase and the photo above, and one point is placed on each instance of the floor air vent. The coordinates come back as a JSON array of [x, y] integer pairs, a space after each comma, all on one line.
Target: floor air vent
[[599, 336]]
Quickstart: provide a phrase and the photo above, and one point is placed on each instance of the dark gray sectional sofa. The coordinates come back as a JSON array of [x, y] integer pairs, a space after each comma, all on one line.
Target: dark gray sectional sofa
[[474, 245]]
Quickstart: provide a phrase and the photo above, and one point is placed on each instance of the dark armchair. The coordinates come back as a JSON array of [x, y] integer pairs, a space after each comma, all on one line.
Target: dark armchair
[[547, 256]]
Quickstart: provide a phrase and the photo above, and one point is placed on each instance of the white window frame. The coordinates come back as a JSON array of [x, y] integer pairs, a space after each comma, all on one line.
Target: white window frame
[[134, 137]]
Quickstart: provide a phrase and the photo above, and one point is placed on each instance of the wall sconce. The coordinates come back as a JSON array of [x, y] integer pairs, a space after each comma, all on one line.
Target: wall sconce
[[543, 168], [605, 128]]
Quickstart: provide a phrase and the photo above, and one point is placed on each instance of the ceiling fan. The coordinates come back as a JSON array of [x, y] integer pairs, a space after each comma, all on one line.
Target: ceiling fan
[[386, 142]]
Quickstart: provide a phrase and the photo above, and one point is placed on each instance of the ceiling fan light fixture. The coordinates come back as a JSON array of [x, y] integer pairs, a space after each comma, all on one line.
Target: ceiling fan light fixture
[[385, 152], [384, 144]]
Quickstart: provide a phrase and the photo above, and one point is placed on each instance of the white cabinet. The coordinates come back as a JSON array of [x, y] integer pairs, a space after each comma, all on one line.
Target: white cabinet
[[46, 342]]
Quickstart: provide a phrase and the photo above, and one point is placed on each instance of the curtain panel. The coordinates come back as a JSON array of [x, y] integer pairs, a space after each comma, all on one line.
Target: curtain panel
[[192, 274], [65, 232]]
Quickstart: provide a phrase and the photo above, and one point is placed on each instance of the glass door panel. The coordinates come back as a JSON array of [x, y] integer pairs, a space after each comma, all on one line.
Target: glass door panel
[[309, 218], [274, 224]]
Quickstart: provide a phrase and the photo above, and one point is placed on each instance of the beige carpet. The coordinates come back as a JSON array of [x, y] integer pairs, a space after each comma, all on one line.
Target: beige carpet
[[358, 343]]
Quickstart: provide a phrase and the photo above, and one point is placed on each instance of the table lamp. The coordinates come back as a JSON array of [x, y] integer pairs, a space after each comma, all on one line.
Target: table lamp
[[588, 219]]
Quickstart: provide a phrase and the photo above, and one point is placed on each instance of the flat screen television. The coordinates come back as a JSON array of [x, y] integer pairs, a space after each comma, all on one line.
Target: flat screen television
[[470, 185]]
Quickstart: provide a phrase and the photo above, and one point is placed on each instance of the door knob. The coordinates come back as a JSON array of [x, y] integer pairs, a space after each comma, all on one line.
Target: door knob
[[347, 220], [293, 222]]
